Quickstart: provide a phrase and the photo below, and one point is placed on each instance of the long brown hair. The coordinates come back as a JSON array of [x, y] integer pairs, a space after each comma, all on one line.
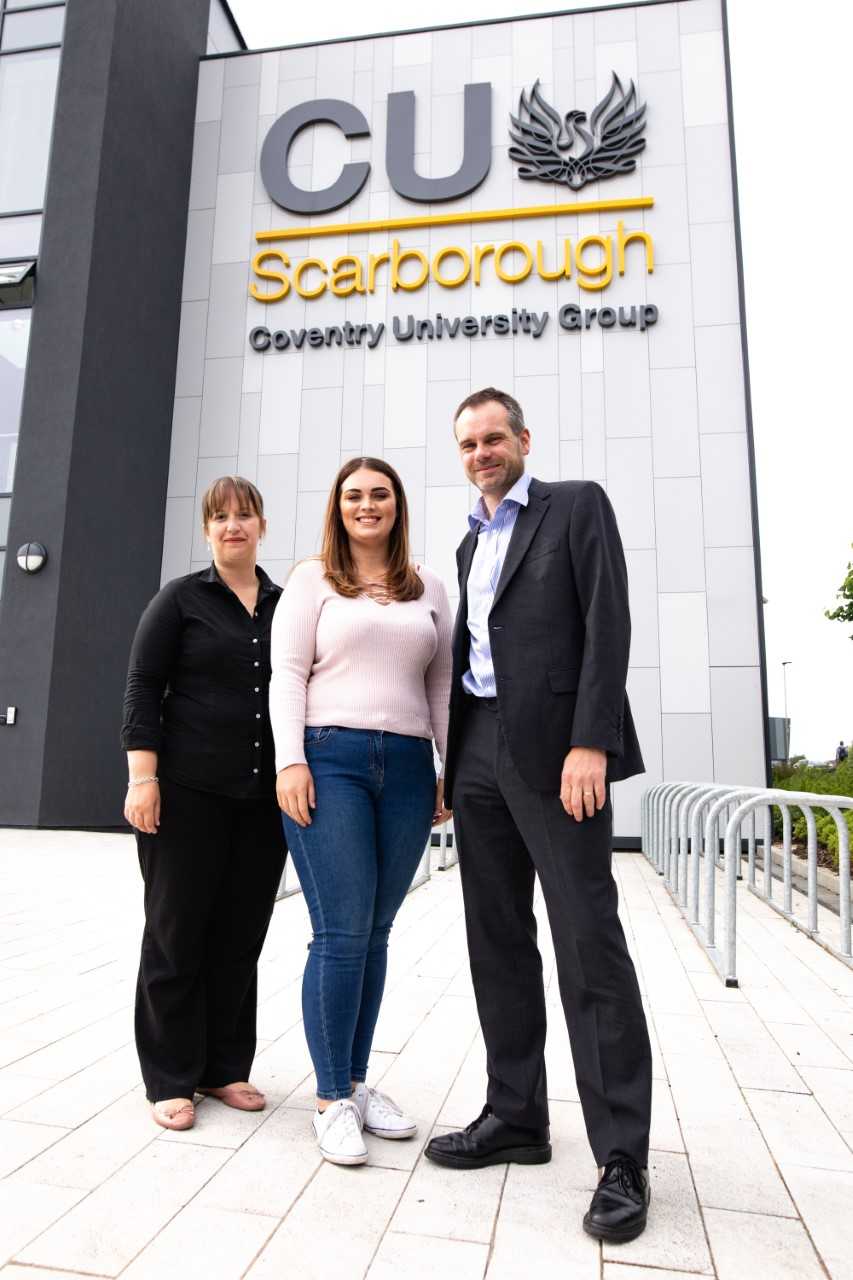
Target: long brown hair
[[403, 582]]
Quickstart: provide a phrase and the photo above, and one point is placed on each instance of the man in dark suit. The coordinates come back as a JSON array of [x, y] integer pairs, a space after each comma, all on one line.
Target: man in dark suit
[[539, 728]]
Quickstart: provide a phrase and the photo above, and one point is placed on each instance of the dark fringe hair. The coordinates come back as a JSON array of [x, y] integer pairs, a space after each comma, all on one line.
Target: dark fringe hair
[[217, 494], [490, 395], [403, 582]]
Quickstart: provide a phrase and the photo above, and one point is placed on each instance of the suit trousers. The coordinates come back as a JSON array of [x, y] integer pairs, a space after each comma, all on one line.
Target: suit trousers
[[211, 875], [508, 833]]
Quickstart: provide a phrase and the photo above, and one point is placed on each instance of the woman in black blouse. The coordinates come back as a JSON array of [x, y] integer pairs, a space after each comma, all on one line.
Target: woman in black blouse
[[201, 796]]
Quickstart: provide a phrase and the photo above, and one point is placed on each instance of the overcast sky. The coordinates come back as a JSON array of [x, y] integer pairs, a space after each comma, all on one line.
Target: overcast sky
[[791, 109]]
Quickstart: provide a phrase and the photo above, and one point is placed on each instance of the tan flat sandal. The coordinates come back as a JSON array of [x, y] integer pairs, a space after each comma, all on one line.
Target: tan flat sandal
[[241, 1095], [174, 1113]]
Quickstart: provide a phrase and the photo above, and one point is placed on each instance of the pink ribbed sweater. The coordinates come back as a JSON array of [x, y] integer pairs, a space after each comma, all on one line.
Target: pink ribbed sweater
[[357, 663]]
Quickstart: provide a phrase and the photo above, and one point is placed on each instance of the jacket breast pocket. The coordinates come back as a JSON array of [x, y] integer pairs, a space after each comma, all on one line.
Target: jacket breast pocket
[[564, 679], [543, 547]]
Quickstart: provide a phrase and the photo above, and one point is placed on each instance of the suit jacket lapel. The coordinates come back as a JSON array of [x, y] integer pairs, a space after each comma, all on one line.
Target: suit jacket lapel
[[527, 522], [468, 547]]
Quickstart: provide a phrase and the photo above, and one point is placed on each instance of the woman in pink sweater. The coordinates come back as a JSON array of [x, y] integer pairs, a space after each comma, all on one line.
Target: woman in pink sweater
[[360, 689]]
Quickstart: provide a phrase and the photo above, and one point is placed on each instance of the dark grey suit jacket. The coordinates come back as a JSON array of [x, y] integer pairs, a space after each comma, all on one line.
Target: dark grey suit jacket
[[560, 631]]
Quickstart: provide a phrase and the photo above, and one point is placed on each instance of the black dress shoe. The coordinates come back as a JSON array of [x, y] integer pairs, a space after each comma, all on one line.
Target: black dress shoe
[[619, 1207], [488, 1140]]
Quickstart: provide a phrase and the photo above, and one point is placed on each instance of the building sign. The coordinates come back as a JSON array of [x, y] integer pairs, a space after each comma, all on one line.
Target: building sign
[[378, 227], [547, 144], [592, 259], [548, 147]]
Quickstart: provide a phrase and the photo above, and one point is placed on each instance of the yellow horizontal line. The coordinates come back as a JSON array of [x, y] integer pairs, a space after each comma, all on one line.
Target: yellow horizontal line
[[455, 219]]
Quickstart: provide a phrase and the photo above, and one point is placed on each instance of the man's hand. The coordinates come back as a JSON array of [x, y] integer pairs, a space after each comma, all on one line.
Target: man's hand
[[294, 789], [582, 789], [439, 813]]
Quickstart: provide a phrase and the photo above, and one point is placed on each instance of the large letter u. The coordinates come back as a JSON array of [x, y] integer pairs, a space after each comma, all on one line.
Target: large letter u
[[476, 154]]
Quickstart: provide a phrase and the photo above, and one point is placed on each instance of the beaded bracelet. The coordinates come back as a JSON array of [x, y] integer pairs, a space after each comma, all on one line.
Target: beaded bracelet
[[137, 782]]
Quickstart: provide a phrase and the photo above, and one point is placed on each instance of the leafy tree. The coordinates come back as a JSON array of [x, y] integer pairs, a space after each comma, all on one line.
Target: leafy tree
[[844, 611]]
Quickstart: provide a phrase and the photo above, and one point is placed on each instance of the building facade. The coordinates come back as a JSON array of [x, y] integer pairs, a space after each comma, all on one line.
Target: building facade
[[360, 233]]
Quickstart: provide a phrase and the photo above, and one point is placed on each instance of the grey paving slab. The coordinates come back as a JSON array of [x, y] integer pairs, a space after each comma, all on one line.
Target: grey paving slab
[[751, 1129], [26, 1211], [778, 1248], [203, 1243], [106, 1230], [268, 1173], [311, 1236], [417, 1258], [87, 1156], [823, 1199]]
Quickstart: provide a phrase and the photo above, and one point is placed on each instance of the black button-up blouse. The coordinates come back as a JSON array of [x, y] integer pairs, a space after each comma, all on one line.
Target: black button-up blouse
[[198, 684]]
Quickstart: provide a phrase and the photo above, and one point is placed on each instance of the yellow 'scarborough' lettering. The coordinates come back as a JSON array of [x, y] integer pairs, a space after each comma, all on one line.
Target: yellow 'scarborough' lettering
[[263, 273], [592, 258]]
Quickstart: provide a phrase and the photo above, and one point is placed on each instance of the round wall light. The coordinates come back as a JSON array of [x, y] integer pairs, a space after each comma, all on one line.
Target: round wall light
[[32, 556]]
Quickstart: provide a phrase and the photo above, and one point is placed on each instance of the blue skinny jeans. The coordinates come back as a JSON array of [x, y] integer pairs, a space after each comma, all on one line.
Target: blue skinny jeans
[[375, 796]]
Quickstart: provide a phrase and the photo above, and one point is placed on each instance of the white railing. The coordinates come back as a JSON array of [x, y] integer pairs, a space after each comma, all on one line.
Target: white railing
[[676, 840], [448, 849]]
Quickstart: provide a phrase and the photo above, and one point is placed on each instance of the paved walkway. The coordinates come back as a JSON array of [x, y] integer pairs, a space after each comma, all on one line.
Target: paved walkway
[[752, 1160]]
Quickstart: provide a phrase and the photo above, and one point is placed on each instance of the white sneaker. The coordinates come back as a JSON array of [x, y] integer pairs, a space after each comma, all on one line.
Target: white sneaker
[[380, 1115], [338, 1132]]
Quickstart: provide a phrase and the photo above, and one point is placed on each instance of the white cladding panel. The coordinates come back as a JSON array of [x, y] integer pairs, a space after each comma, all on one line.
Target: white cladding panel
[[657, 417]]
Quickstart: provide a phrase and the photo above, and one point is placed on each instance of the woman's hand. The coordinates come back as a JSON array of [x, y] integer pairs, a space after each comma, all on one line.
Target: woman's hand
[[294, 789], [142, 807], [439, 813]]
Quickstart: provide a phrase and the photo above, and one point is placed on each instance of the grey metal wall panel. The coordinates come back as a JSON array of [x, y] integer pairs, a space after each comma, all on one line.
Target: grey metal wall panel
[[96, 418]]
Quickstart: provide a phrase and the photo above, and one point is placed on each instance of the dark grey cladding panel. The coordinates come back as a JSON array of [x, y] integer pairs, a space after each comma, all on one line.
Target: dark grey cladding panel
[[96, 417]]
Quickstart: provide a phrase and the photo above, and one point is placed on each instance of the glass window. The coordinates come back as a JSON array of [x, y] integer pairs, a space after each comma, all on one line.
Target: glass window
[[27, 93], [14, 339], [38, 26], [17, 284], [22, 4], [5, 506]]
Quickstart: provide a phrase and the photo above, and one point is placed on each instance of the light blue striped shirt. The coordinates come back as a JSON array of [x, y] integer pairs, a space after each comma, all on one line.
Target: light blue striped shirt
[[492, 542]]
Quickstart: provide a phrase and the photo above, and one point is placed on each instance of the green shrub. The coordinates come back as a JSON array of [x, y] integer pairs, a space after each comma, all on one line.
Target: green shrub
[[824, 781]]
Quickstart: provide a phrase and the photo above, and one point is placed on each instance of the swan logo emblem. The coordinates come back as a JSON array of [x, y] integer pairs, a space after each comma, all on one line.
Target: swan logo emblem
[[569, 149]]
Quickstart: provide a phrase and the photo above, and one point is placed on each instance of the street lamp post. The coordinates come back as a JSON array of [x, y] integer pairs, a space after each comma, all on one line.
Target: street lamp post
[[785, 696]]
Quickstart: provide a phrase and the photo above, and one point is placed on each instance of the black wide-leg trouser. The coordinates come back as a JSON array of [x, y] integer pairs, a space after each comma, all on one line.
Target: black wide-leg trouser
[[211, 875], [508, 833]]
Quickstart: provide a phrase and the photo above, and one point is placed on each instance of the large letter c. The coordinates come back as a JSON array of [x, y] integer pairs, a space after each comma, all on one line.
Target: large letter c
[[279, 140]]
